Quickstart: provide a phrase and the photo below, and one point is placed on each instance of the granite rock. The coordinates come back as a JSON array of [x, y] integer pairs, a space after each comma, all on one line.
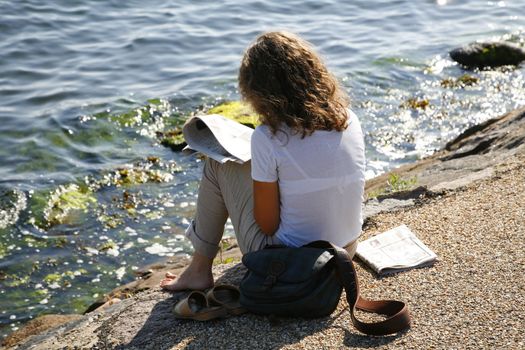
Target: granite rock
[[488, 55]]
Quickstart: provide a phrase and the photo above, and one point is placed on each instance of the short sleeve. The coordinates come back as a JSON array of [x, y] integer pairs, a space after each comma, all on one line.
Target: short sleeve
[[264, 164]]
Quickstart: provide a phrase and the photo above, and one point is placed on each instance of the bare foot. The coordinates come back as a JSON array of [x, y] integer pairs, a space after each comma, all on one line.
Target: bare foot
[[197, 276], [188, 280]]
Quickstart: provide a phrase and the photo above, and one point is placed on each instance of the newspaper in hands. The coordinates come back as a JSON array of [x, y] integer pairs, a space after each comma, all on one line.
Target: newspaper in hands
[[218, 137], [395, 250]]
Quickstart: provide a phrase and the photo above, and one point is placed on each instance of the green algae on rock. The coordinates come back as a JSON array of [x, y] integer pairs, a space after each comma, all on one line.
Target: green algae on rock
[[151, 170], [147, 120], [110, 221], [415, 103], [123, 206], [106, 246], [461, 82], [238, 111], [52, 278], [172, 139], [17, 281], [61, 205], [133, 176], [3, 251], [154, 108], [96, 133], [65, 201], [35, 242]]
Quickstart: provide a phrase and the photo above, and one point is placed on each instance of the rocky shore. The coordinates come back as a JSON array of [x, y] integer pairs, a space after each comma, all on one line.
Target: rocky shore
[[465, 202]]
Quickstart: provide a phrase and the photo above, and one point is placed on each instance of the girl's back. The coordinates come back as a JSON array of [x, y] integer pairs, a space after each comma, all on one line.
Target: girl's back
[[321, 179]]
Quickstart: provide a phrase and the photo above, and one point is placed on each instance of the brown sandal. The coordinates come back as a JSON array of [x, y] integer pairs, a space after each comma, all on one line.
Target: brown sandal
[[226, 296], [196, 307]]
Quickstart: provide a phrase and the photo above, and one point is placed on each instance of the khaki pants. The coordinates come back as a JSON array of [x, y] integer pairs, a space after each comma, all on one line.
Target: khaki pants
[[226, 190]]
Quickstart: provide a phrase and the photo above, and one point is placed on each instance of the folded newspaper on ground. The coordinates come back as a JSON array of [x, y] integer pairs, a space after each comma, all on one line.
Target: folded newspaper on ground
[[394, 251], [218, 137]]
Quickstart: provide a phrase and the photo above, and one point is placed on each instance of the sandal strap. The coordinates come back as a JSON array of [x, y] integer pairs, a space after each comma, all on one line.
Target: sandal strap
[[186, 306], [213, 295]]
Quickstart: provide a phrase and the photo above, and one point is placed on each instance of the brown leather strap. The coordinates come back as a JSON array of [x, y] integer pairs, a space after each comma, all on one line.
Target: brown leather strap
[[397, 314]]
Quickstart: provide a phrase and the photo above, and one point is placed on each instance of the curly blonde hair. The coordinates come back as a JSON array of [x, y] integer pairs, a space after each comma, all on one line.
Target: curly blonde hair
[[285, 81]]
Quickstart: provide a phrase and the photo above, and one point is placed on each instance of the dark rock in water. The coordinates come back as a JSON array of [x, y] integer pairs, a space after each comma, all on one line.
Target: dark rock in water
[[503, 134], [488, 55], [94, 306]]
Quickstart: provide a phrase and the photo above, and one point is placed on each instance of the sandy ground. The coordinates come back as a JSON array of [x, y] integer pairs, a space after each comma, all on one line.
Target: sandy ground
[[474, 297]]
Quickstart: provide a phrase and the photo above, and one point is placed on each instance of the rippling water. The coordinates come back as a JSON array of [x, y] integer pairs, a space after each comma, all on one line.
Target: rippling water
[[69, 69]]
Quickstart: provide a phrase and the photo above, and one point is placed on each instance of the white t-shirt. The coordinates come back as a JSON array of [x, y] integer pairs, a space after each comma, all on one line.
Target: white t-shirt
[[321, 181]]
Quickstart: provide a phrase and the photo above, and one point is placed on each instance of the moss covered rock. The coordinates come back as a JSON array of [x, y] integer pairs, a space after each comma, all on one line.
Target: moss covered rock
[[461, 82], [488, 55], [52, 278], [238, 111], [3, 252], [414, 103], [155, 108], [61, 206], [172, 139]]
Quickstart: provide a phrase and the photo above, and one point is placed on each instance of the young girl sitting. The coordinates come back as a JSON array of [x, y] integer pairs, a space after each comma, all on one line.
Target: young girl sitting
[[305, 181]]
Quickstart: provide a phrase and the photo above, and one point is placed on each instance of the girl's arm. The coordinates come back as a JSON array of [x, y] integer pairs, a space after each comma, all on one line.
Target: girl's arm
[[266, 206]]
